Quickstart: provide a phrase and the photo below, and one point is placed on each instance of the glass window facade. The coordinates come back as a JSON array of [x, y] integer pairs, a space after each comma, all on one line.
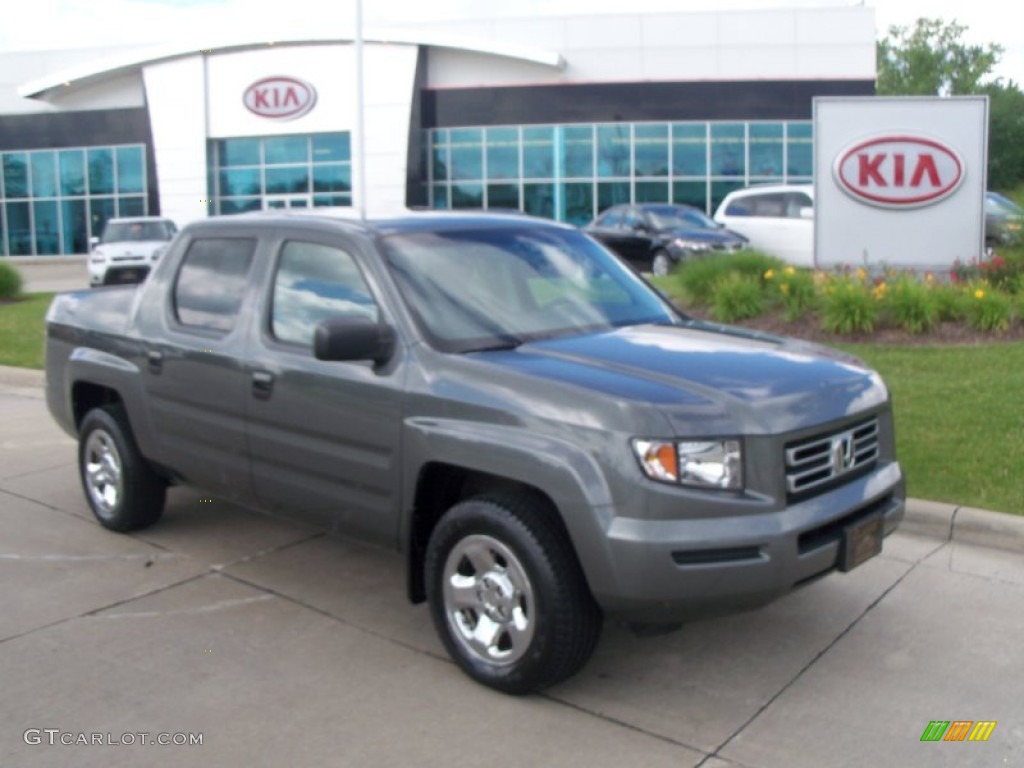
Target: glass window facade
[[312, 170], [53, 200], [573, 172]]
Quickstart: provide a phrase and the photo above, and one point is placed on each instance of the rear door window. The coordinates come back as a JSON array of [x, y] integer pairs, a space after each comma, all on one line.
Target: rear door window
[[211, 283]]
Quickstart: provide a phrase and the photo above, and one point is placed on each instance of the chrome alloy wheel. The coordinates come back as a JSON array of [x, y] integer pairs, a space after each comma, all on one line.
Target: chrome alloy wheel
[[104, 477], [488, 600]]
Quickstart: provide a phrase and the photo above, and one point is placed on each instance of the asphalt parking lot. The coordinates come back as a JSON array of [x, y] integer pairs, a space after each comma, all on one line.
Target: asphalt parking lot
[[277, 644]]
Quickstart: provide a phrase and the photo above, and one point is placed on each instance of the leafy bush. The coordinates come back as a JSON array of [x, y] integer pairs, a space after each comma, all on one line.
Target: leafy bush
[[988, 309], [913, 304], [697, 278], [737, 296], [848, 306], [10, 281]]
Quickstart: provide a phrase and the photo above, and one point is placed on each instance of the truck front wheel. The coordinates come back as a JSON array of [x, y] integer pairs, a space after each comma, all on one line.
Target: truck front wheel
[[507, 595], [122, 490]]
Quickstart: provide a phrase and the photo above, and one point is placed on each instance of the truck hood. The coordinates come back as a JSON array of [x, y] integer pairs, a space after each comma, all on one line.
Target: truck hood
[[715, 379]]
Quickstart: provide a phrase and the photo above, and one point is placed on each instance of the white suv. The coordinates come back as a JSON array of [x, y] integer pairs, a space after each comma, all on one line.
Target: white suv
[[777, 218], [128, 248]]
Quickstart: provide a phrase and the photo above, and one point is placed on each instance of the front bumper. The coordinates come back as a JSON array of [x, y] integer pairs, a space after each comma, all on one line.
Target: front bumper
[[118, 273], [670, 570]]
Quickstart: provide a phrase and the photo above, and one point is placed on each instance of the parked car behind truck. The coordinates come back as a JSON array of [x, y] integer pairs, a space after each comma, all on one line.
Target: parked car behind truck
[[546, 439], [655, 237], [777, 219], [126, 250]]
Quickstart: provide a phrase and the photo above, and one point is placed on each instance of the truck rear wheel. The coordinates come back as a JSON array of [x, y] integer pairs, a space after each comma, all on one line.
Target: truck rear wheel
[[123, 491], [507, 595]]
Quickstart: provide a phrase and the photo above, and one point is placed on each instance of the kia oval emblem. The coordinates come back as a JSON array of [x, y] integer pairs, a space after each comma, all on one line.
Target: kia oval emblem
[[899, 171], [280, 98]]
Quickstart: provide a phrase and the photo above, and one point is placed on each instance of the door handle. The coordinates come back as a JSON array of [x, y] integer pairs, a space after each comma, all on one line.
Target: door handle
[[155, 360], [262, 384]]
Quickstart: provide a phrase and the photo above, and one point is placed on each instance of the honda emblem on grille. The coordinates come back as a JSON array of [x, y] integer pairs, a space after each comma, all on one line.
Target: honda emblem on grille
[[842, 453]]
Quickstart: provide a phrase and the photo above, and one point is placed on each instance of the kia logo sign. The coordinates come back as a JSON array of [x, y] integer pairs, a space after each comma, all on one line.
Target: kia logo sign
[[899, 171], [280, 98]]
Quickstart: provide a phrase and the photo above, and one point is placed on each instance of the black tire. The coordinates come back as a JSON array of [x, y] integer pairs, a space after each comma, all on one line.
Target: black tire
[[526, 589], [661, 264], [121, 488]]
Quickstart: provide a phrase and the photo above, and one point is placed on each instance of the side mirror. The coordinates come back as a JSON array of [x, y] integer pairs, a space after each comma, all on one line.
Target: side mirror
[[807, 212], [353, 338], [94, 241]]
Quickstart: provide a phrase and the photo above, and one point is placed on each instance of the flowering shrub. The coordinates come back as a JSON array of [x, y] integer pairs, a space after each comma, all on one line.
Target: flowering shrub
[[849, 305], [794, 288], [1004, 271], [699, 277], [911, 303], [988, 309], [987, 295]]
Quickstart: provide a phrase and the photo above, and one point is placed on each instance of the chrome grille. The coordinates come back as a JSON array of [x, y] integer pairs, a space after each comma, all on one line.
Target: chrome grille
[[816, 461]]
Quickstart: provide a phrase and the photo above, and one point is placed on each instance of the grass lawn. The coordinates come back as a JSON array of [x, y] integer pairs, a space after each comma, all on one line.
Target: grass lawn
[[959, 420], [21, 330]]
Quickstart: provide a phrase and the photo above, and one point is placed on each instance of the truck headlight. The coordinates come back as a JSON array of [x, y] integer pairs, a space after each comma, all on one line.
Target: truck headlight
[[696, 463]]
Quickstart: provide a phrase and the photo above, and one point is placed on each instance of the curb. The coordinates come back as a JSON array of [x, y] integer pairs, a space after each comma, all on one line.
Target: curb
[[947, 522], [21, 377], [964, 525]]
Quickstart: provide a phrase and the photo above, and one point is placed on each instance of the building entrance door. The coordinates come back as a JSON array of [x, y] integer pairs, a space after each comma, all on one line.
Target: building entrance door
[[271, 202]]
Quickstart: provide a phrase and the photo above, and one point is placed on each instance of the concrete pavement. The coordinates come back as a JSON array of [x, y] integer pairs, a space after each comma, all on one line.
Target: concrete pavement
[[52, 274], [281, 645]]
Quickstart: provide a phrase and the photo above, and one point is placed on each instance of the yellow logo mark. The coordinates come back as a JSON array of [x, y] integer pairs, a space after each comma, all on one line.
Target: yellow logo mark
[[958, 730], [982, 730]]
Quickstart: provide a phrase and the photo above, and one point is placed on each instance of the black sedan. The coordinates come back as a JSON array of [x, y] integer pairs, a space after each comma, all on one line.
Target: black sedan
[[654, 237]]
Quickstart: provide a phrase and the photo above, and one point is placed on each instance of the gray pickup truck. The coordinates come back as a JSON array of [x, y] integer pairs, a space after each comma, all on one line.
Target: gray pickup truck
[[543, 436]]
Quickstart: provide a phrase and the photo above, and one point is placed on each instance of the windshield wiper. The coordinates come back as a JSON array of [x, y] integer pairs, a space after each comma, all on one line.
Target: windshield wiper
[[497, 345]]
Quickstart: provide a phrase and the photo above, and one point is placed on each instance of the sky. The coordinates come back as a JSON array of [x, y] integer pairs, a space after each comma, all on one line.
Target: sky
[[49, 24]]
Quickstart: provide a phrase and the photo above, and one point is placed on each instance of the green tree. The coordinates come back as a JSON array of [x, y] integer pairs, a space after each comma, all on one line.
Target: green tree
[[1005, 135], [931, 59]]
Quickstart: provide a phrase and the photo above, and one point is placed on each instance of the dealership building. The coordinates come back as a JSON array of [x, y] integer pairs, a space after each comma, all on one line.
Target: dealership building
[[556, 116]]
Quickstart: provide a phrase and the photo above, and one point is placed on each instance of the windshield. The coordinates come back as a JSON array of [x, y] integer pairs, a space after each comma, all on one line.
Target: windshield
[[479, 289], [681, 218], [136, 231]]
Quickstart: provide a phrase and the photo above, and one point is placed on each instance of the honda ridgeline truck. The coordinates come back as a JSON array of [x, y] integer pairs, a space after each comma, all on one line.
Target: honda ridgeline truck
[[545, 438]]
